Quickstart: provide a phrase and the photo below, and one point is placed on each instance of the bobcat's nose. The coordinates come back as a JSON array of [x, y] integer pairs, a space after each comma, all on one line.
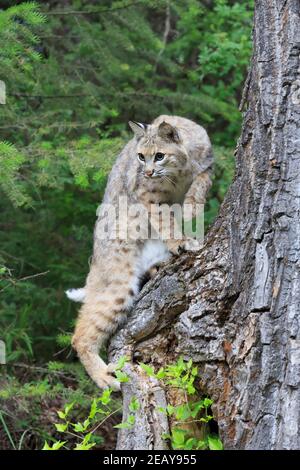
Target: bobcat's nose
[[149, 173]]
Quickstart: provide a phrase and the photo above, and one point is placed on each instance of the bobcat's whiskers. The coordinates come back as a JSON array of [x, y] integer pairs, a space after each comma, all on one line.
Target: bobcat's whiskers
[[165, 177]]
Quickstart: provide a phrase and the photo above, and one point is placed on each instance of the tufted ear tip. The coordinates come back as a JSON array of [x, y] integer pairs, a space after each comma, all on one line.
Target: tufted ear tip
[[168, 132], [138, 128]]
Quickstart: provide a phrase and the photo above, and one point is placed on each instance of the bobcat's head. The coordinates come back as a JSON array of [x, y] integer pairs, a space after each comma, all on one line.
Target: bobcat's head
[[160, 152]]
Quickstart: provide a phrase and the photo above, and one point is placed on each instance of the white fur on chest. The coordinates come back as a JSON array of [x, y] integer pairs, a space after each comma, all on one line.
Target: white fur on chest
[[153, 252]]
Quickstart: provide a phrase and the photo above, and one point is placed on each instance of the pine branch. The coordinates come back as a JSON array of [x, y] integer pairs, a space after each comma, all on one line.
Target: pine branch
[[92, 12], [24, 95]]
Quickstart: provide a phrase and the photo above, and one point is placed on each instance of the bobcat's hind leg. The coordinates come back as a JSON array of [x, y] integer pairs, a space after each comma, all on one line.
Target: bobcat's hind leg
[[105, 308], [90, 334]]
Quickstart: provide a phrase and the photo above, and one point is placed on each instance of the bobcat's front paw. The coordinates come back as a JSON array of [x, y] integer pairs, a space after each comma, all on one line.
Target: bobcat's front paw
[[175, 246], [107, 379], [192, 244]]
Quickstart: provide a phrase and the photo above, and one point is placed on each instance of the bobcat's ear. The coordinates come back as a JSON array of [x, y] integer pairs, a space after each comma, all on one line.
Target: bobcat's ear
[[168, 132], [138, 128]]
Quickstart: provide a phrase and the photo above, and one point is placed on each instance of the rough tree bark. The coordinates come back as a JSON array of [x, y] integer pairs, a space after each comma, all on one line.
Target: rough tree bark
[[234, 306]]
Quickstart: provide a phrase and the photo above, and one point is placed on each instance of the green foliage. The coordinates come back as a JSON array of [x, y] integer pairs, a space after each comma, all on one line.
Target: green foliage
[[17, 60], [11, 161], [215, 42], [101, 409], [28, 408], [16, 32], [83, 431], [181, 376]]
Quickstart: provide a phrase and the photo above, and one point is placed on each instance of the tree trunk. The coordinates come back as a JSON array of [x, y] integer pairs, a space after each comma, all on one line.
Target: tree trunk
[[233, 307]]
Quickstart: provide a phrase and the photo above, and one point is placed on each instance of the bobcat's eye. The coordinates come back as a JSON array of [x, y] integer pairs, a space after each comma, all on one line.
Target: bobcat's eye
[[141, 157], [159, 156]]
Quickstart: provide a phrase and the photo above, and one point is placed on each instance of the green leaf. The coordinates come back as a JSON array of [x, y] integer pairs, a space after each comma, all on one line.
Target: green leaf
[[121, 376], [85, 444], [183, 412], [190, 444], [78, 427], [134, 405], [148, 369], [161, 373], [190, 389], [180, 363], [201, 445], [214, 443], [207, 402], [170, 409], [61, 414], [86, 424], [178, 436], [185, 378], [105, 397], [206, 419], [68, 408], [56, 446], [131, 419], [46, 446], [121, 362], [93, 409], [162, 410], [61, 427], [196, 407]]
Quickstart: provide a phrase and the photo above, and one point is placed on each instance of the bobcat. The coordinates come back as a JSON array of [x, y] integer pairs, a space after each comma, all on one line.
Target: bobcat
[[167, 162]]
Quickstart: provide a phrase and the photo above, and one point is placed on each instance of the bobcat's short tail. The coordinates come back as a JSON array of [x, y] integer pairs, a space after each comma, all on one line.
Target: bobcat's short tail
[[77, 295], [154, 253]]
